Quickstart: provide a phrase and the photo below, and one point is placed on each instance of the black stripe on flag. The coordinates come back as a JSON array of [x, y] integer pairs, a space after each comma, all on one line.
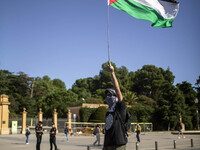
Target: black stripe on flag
[[171, 1]]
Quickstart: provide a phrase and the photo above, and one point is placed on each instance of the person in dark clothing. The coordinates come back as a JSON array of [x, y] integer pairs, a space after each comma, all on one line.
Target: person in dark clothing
[[39, 132], [66, 131], [27, 134], [52, 139], [115, 134], [97, 133], [138, 130], [180, 132]]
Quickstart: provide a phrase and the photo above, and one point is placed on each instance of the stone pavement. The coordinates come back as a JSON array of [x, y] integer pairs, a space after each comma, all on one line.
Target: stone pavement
[[164, 140]]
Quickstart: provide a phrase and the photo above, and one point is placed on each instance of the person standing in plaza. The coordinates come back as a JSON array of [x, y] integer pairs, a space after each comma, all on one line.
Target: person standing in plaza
[[66, 131], [39, 132], [115, 135], [138, 130], [97, 133], [52, 139], [27, 134], [180, 130]]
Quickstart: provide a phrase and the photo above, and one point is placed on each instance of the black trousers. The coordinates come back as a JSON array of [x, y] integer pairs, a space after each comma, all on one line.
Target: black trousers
[[53, 142], [138, 136], [39, 140]]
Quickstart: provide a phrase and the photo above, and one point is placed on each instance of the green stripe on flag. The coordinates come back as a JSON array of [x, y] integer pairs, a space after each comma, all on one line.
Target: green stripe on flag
[[140, 11]]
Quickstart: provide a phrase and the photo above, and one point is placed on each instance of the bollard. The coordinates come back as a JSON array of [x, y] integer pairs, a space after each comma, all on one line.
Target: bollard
[[88, 147], [174, 144], [192, 143], [156, 145], [136, 146]]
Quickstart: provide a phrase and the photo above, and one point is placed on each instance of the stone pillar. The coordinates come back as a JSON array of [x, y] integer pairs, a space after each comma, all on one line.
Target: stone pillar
[[4, 114], [40, 115], [69, 120], [55, 119], [24, 113]]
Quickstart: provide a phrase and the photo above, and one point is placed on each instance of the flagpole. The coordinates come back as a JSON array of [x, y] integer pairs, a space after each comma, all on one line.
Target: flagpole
[[108, 31]]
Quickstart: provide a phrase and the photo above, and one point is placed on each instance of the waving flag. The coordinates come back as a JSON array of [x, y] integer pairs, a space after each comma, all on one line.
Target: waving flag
[[160, 12]]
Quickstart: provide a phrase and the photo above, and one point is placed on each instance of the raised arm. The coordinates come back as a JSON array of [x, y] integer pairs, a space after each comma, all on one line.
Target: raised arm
[[115, 82]]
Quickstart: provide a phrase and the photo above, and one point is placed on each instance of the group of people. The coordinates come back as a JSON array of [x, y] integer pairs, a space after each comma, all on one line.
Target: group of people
[[115, 137], [39, 132], [115, 131]]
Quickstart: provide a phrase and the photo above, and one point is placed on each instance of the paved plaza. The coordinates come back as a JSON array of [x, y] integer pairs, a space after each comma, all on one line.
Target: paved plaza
[[164, 140]]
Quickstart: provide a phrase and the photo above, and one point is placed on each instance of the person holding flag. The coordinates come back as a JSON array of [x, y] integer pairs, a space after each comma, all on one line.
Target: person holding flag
[[115, 137]]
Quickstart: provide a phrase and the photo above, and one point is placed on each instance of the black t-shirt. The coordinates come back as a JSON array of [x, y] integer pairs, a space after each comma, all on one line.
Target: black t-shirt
[[114, 131], [38, 128], [53, 129], [66, 130]]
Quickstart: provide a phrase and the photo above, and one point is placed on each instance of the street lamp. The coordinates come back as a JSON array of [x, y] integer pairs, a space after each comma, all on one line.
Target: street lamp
[[196, 102]]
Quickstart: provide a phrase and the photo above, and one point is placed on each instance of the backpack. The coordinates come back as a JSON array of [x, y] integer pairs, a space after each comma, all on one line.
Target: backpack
[[139, 128], [28, 132], [95, 131], [66, 130], [127, 123]]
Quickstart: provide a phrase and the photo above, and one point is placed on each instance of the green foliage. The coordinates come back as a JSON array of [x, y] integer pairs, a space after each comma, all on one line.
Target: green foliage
[[130, 97], [149, 81], [149, 90], [82, 88], [144, 100], [198, 88], [85, 114], [94, 101], [99, 115], [141, 113], [189, 116], [59, 100]]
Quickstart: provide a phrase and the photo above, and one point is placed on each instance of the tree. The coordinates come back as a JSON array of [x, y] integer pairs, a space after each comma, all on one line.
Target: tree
[[130, 97], [141, 113], [170, 106], [198, 87], [59, 100], [59, 84], [99, 115], [17, 87], [149, 81], [4, 81], [190, 109]]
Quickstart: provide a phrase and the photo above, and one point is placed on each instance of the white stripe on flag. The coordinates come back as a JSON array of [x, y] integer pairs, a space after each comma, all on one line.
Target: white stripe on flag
[[166, 9]]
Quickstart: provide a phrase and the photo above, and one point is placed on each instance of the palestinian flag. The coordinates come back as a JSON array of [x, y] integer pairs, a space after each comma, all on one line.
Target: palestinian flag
[[160, 12]]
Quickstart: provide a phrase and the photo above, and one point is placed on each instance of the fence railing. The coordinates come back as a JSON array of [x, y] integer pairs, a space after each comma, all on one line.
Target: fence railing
[[88, 127], [77, 127]]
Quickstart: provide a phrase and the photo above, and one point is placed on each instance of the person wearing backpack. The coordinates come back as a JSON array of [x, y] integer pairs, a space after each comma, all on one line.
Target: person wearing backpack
[[115, 137], [138, 130], [66, 131], [97, 133], [27, 134]]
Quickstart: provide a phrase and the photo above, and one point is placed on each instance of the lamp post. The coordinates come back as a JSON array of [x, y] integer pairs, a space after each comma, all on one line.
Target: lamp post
[[196, 102]]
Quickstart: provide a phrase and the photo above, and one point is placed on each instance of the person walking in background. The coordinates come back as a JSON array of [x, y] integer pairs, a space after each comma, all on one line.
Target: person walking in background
[[52, 139], [27, 134], [39, 132], [66, 131], [180, 130], [115, 134], [138, 130], [97, 133]]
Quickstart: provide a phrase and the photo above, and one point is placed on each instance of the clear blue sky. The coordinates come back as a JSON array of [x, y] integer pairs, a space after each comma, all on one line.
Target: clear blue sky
[[67, 39]]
